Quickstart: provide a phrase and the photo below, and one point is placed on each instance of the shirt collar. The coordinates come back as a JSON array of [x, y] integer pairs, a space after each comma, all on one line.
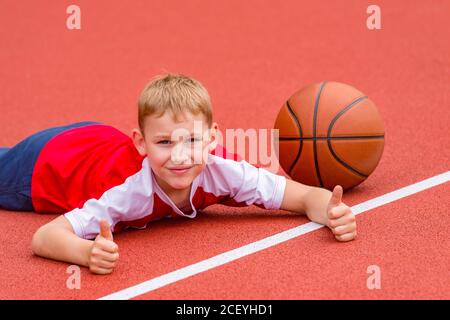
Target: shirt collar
[[164, 197]]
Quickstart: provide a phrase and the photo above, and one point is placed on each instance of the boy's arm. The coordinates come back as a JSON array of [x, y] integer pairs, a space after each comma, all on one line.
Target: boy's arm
[[65, 238], [321, 206], [57, 240]]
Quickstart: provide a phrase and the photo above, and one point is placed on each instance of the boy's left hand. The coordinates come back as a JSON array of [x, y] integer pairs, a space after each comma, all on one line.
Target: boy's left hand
[[341, 219]]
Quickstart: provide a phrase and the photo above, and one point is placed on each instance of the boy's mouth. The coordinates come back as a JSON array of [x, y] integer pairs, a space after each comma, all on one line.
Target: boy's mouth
[[180, 170]]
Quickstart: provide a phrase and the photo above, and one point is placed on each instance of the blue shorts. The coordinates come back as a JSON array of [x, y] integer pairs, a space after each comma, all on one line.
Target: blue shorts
[[17, 164]]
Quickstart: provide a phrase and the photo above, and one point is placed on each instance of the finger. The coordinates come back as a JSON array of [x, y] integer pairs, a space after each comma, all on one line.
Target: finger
[[346, 237], [344, 220], [108, 246], [99, 270], [105, 230], [337, 212], [98, 253], [105, 244], [336, 196], [103, 263], [110, 257], [348, 228]]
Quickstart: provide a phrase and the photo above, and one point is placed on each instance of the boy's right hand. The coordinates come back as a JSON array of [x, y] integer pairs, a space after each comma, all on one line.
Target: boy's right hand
[[104, 252]]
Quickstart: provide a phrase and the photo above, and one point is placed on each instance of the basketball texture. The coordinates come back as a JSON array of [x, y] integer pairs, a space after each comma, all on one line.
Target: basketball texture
[[329, 133]]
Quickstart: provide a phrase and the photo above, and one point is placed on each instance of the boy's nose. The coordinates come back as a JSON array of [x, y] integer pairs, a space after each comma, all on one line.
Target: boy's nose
[[179, 153]]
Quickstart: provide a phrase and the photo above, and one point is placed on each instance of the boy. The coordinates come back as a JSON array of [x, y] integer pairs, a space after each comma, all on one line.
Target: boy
[[105, 182]]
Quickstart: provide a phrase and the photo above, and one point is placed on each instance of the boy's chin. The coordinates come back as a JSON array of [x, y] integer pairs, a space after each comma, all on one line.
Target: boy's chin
[[180, 183]]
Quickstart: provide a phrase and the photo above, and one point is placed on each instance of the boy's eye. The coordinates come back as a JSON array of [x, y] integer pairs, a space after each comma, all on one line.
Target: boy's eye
[[191, 140], [195, 140]]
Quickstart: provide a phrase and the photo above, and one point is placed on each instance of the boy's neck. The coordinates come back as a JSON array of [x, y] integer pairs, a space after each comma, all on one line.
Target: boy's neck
[[177, 196], [180, 198]]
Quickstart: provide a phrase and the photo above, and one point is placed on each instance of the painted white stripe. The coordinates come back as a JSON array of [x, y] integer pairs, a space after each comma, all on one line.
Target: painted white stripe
[[268, 242]]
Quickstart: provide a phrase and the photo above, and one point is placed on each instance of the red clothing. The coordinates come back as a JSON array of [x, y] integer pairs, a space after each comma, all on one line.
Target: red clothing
[[82, 163]]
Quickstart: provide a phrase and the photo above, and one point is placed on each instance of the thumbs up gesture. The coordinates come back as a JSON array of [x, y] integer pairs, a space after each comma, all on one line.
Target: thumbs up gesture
[[341, 219], [104, 252]]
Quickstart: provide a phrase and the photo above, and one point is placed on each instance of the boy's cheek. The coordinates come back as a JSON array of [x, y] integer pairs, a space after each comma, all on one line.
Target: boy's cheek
[[199, 155], [158, 157]]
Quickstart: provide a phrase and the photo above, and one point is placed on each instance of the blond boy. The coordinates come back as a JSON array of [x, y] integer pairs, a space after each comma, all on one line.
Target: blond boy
[[103, 181]]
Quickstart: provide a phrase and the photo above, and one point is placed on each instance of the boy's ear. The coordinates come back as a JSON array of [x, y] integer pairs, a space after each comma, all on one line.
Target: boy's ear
[[213, 137], [139, 142]]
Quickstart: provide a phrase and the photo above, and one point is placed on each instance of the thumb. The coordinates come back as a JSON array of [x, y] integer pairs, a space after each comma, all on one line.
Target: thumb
[[336, 197], [105, 230]]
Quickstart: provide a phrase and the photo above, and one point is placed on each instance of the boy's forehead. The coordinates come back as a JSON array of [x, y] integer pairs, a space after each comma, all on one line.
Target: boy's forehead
[[165, 125]]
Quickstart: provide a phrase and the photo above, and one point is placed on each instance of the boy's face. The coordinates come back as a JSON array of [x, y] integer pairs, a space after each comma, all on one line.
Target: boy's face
[[177, 151]]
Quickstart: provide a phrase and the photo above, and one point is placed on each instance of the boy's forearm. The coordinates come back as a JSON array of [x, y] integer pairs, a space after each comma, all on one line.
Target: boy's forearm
[[321, 206], [61, 244], [308, 200], [316, 203]]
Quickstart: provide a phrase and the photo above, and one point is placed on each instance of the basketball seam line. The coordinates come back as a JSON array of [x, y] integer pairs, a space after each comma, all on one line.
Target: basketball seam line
[[348, 107], [316, 108], [333, 138], [301, 134], [330, 146]]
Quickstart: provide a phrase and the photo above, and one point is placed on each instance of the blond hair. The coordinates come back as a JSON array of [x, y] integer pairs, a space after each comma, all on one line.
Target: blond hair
[[175, 93]]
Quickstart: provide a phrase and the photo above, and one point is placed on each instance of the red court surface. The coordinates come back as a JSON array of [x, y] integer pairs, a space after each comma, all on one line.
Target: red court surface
[[251, 56]]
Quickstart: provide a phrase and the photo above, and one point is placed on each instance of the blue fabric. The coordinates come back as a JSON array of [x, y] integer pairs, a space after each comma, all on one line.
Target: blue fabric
[[17, 164]]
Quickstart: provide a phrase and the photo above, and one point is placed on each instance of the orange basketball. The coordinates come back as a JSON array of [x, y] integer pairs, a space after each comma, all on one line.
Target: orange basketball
[[329, 133]]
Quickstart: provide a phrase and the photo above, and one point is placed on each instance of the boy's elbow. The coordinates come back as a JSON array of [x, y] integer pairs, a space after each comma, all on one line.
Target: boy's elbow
[[37, 240], [49, 234]]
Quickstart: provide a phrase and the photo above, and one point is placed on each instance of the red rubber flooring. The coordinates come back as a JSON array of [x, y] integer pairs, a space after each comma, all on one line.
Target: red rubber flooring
[[251, 56]]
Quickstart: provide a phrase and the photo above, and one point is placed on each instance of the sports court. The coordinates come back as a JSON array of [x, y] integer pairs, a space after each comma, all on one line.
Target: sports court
[[251, 56]]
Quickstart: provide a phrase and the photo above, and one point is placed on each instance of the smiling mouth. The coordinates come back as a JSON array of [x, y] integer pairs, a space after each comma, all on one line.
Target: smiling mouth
[[180, 170]]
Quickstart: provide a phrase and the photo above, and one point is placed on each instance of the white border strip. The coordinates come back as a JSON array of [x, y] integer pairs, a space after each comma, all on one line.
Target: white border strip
[[268, 242]]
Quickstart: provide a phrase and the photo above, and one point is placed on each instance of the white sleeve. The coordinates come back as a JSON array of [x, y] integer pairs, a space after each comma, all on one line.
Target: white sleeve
[[260, 186], [131, 200], [245, 183]]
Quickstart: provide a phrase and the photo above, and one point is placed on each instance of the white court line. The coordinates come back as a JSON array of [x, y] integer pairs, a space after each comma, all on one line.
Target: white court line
[[268, 242]]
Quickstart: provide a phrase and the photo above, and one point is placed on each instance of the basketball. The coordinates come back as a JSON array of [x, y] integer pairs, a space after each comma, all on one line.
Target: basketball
[[329, 134]]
